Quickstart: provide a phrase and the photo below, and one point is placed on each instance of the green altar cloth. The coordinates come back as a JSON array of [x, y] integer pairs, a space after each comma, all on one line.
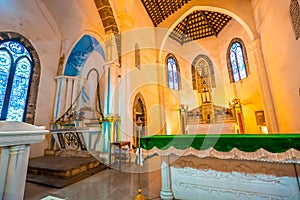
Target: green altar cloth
[[274, 143]]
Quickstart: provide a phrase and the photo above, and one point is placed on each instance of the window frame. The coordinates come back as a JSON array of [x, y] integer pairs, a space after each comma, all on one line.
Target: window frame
[[229, 61], [173, 72], [36, 71], [195, 74], [294, 12], [11, 80]]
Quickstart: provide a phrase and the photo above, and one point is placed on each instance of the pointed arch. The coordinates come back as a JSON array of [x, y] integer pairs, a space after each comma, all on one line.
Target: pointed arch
[[80, 53], [237, 60], [202, 68], [137, 56], [295, 17], [29, 61], [139, 112], [173, 72]]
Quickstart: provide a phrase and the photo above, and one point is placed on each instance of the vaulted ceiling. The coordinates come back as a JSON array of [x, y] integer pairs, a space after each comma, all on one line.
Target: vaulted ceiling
[[197, 25]]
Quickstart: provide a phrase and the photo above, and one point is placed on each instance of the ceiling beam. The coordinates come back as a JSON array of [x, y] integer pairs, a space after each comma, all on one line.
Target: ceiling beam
[[208, 23], [241, 13], [184, 35]]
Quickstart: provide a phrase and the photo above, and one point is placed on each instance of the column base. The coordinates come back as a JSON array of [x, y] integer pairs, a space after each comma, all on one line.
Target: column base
[[166, 195]]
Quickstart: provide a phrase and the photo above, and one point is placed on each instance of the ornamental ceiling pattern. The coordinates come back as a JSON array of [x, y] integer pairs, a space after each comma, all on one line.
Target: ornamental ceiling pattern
[[197, 25], [159, 10]]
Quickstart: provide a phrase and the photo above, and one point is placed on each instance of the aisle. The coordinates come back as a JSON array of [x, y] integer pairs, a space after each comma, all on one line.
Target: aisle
[[109, 184]]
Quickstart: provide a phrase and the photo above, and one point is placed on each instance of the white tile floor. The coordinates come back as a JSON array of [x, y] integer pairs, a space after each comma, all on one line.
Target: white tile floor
[[109, 184]]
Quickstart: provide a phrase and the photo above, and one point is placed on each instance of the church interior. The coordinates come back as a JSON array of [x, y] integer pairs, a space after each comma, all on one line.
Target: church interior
[[188, 92]]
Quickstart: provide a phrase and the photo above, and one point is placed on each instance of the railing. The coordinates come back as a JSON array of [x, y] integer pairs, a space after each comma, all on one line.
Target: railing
[[78, 139], [15, 140]]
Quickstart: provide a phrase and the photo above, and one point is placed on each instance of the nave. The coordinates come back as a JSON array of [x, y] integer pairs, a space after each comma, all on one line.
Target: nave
[[109, 184]]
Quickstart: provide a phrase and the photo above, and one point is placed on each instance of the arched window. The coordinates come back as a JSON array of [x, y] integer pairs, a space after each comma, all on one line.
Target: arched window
[[173, 73], [139, 113], [295, 17], [15, 76], [237, 61], [203, 70], [137, 55]]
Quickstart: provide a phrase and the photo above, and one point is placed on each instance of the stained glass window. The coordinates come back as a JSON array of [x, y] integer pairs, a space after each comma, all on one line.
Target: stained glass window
[[15, 75], [173, 74], [203, 70], [5, 61], [295, 17], [137, 56], [237, 61]]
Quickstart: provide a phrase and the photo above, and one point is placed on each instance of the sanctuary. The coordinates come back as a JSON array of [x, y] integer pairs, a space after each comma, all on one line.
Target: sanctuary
[[205, 91]]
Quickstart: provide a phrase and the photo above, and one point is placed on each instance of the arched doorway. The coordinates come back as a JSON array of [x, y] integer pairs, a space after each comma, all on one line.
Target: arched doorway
[[139, 112]]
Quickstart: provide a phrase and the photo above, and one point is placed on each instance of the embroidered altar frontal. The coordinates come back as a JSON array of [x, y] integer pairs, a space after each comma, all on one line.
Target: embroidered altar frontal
[[272, 148], [275, 143], [247, 166]]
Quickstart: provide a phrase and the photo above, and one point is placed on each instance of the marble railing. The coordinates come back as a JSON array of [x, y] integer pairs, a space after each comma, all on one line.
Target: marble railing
[[15, 140], [78, 139], [227, 166]]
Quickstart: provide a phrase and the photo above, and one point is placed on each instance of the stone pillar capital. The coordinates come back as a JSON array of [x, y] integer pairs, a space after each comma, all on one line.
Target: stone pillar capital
[[254, 44], [111, 64]]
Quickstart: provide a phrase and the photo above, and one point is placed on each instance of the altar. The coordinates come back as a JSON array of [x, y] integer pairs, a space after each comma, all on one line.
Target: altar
[[227, 166]]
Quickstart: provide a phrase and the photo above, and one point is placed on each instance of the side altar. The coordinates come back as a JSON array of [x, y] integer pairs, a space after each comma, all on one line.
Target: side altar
[[79, 127], [87, 137]]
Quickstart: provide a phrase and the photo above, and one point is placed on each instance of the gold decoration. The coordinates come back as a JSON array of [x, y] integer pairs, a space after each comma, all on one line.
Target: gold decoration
[[140, 196]]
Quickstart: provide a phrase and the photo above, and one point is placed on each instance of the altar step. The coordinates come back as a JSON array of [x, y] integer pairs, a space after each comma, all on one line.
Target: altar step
[[58, 172]]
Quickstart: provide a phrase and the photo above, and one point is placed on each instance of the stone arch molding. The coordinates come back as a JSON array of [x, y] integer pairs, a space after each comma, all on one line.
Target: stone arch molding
[[34, 84], [295, 17], [140, 97], [139, 103], [229, 67], [210, 66], [86, 45], [171, 55], [243, 15]]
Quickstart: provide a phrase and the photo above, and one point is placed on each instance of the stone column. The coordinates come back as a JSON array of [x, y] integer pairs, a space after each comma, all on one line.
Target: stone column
[[264, 84], [111, 99], [61, 95], [166, 191], [69, 92], [161, 74], [75, 91], [57, 98], [106, 69], [111, 71], [114, 89]]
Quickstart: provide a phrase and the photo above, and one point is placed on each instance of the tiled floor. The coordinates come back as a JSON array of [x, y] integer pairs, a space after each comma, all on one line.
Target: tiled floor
[[109, 184]]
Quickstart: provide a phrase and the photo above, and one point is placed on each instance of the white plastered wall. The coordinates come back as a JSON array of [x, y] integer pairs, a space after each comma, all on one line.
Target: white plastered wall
[[281, 54], [34, 22], [52, 27]]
